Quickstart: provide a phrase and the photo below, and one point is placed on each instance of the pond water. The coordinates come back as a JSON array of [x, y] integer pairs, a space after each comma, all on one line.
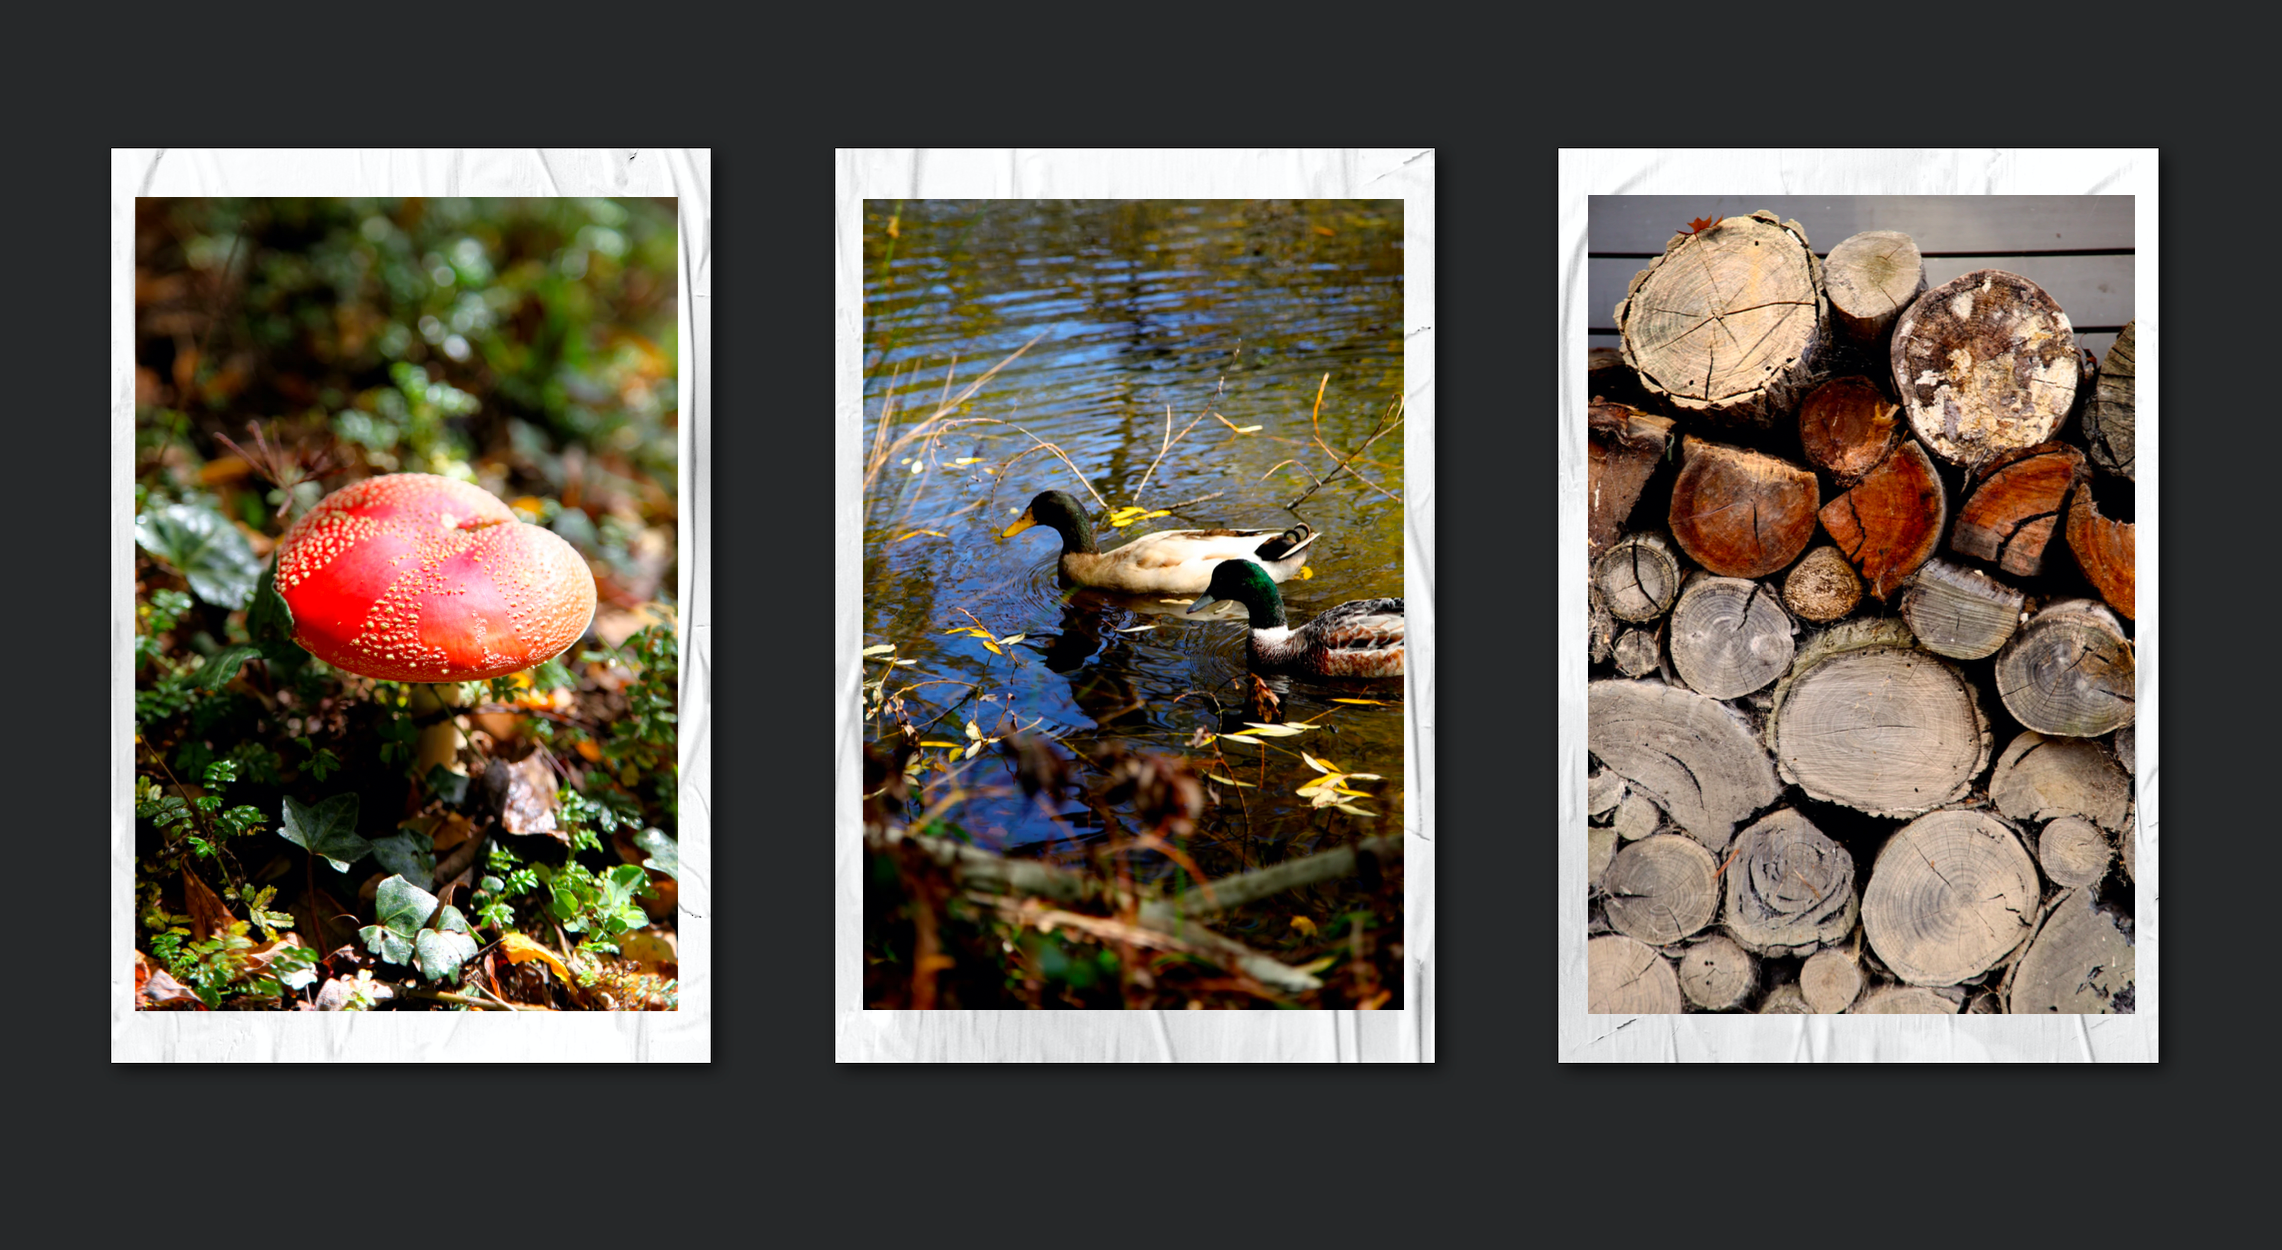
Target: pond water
[[1227, 315]]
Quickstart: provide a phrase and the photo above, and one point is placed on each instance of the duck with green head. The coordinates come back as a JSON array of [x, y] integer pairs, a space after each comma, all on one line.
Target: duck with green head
[[1169, 561], [1360, 638]]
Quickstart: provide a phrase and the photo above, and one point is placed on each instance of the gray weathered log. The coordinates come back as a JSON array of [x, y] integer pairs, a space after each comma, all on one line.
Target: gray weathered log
[[1830, 981], [2074, 852], [1868, 719], [1951, 895], [1600, 625], [1716, 974], [2111, 416], [1638, 577], [1905, 1000], [1984, 363], [1785, 1000], [1626, 978], [2069, 671], [1636, 653], [1603, 791], [1789, 888], [1636, 817], [2078, 964], [1694, 755], [1871, 277], [1727, 321], [1600, 848], [1729, 636], [2039, 778], [1822, 586], [1661, 889], [1959, 612]]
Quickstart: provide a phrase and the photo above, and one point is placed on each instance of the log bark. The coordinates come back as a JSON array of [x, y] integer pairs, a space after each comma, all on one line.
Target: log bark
[[2014, 506], [2107, 551], [2111, 417], [1870, 279], [1623, 448], [1600, 848], [1905, 1000], [2073, 852], [2039, 778], [1785, 1000], [1830, 981], [1729, 636], [1660, 889], [1952, 893], [1984, 363], [1739, 513], [1716, 974], [2080, 963], [1868, 720], [1727, 321], [1638, 577], [1636, 653], [2130, 838], [1891, 521], [1695, 756], [2068, 672], [1790, 889], [1959, 612], [1822, 586], [1608, 377], [1600, 625], [1625, 978], [1603, 791]]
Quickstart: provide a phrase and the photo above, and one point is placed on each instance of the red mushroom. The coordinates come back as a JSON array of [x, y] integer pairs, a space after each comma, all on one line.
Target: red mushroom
[[419, 578]]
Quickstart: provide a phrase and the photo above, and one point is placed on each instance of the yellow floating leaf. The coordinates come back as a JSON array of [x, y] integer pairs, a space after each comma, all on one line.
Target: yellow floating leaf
[[1353, 810], [1305, 572], [522, 950], [881, 649], [1365, 777], [1243, 738], [1313, 966], [1011, 639], [1229, 781], [973, 730], [1372, 702], [1321, 766], [973, 747], [1301, 924], [938, 742], [906, 662], [917, 533], [966, 460], [918, 468], [1272, 731], [1137, 629], [1245, 429], [992, 645]]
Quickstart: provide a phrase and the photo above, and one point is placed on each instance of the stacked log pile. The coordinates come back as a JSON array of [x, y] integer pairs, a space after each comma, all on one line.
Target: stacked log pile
[[1861, 687]]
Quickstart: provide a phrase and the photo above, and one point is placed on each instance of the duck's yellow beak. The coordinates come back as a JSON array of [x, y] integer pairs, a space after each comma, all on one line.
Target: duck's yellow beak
[[1021, 523]]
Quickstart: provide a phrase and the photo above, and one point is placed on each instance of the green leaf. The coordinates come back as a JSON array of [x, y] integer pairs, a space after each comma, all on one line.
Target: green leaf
[[407, 854], [445, 947], [664, 853], [223, 665], [402, 908], [269, 619], [447, 785], [328, 829], [205, 549]]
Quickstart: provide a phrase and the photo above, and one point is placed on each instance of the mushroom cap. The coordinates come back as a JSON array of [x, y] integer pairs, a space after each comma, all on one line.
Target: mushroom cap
[[414, 577]]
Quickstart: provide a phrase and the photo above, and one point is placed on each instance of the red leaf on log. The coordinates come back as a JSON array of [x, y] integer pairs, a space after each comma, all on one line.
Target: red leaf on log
[[1697, 225]]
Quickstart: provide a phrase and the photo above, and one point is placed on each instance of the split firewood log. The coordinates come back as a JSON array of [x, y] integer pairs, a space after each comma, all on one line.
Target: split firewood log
[[1740, 513], [1695, 756], [2039, 778], [1951, 895], [1848, 427], [2079, 963], [2112, 415], [1871, 278], [2107, 551], [1728, 320], [1891, 521], [1985, 363], [1869, 719], [2069, 671], [1716, 974], [1905, 1000], [1789, 887], [1623, 447], [2014, 506], [1729, 636], [1624, 977], [1959, 612]]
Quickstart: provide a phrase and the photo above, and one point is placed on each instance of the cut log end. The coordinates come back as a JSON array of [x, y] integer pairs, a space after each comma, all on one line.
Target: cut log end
[[1871, 278], [1962, 613], [1727, 322], [1891, 521], [1951, 894], [1739, 513], [2111, 416], [2014, 506], [1624, 977], [1822, 586], [2069, 672], [1985, 363], [1848, 427]]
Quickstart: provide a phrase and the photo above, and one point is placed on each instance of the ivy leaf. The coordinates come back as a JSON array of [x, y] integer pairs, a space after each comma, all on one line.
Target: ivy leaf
[[401, 908], [220, 667], [445, 947], [407, 854], [328, 829], [269, 618], [664, 854], [205, 549]]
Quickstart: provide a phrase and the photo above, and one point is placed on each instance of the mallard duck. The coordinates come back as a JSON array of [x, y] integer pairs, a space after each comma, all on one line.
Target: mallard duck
[[1178, 561], [1360, 638]]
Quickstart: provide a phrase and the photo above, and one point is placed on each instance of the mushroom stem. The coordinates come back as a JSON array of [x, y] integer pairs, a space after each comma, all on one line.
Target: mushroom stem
[[439, 743]]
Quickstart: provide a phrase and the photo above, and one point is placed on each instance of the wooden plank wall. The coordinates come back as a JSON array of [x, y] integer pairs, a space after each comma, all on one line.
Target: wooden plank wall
[[2078, 248]]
